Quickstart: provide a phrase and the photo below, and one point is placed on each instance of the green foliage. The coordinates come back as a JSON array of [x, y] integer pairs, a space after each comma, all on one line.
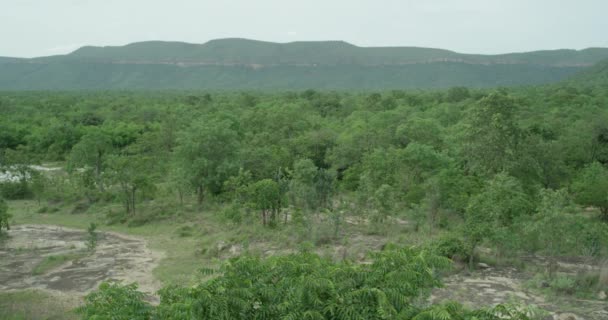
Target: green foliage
[[451, 246], [134, 174], [90, 154], [303, 286], [591, 187], [265, 195], [491, 213], [208, 153], [15, 190], [91, 236], [5, 216], [492, 134], [114, 301], [584, 285], [311, 188]]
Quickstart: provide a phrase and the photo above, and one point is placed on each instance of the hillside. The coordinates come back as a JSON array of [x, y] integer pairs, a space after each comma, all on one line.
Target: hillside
[[596, 75], [249, 64]]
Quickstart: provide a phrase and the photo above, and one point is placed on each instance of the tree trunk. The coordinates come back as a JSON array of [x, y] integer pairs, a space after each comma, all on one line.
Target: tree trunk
[[472, 257], [264, 217], [98, 172], [200, 194], [127, 203], [133, 199]]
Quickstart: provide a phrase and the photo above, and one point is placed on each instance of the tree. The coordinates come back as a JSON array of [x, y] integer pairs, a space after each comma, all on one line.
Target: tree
[[552, 226], [494, 210], [133, 174], [265, 195], [91, 153], [208, 152], [302, 185], [5, 216], [491, 134], [590, 188]]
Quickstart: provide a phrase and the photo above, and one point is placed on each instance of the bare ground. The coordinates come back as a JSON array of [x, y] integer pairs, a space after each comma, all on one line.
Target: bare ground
[[116, 257], [492, 286]]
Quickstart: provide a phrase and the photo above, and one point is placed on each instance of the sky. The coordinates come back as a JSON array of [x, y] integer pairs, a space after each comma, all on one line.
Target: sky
[[30, 28]]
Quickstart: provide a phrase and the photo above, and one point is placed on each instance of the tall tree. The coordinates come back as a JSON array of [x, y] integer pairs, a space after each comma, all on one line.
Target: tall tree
[[208, 151], [90, 154], [133, 174], [491, 134], [265, 195]]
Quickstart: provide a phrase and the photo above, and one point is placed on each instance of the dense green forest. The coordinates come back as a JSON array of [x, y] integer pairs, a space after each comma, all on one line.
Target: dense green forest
[[229, 64], [516, 171]]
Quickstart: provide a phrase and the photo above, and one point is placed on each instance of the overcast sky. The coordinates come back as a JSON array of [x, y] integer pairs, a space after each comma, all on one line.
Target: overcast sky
[[46, 27]]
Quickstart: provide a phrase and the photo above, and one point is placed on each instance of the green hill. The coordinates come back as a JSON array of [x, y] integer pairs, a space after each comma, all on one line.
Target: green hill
[[593, 76], [249, 64]]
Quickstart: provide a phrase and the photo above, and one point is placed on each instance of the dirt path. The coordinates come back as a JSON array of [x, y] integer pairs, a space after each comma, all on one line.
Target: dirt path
[[116, 257]]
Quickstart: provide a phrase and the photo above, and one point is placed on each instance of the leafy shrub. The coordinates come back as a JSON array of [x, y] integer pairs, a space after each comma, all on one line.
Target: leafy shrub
[[91, 236], [563, 284], [15, 190], [115, 217], [584, 285], [185, 231], [117, 302], [232, 213], [451, 247], [81, 207], [301, 286]]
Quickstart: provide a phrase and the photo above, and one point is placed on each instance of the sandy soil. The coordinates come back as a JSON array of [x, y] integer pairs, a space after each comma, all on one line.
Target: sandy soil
[[116, 257]]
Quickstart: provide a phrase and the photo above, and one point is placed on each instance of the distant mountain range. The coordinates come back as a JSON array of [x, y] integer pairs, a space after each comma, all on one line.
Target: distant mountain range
[[249, 64]]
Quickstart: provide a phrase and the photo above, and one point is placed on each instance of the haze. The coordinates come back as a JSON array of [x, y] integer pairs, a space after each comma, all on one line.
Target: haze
[[31, 28]]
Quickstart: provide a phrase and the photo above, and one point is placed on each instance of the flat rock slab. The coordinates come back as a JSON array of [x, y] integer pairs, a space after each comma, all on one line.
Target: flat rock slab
[[488, 287], [116, 257]]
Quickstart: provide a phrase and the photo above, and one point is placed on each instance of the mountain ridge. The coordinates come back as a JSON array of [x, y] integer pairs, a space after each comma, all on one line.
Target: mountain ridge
[[249, 52], [237, 63]]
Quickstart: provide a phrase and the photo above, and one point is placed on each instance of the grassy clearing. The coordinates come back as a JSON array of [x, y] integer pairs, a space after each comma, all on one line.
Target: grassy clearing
[[33, 304], [52, 262], [193, 239]]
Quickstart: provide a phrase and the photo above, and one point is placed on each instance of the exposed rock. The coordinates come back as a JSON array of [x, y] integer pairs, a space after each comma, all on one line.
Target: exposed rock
[[483, 265], [236, 249], [567, 316]]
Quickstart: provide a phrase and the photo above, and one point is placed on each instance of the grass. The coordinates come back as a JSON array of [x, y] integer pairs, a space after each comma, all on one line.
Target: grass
[[191, 239], [34, 304], [52, 262]]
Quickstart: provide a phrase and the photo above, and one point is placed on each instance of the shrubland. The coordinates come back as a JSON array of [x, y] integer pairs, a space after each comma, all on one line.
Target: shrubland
[[443, 174]]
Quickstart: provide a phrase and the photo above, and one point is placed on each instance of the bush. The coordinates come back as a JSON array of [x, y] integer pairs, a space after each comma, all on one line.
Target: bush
[[115, 217], [81, 207], [583, 285], [451, 247], [15, 190], [302, 286], [117, 302], [185, 231], [564, 285], [232, 213]]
